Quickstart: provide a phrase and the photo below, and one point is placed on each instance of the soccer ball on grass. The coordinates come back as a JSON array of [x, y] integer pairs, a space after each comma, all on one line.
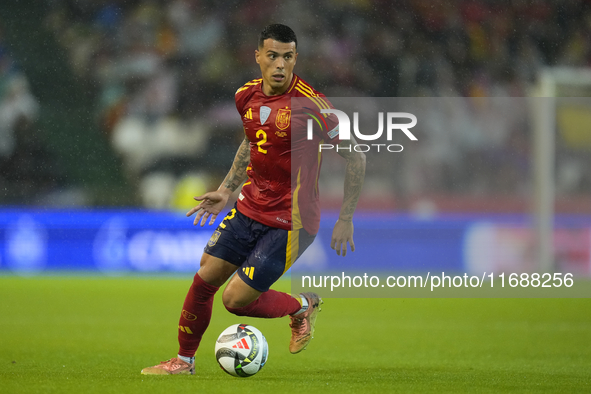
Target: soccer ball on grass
[[241, 350]]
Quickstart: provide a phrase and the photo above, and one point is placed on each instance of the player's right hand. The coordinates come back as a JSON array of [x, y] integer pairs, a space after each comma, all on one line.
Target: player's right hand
[[211, 204]]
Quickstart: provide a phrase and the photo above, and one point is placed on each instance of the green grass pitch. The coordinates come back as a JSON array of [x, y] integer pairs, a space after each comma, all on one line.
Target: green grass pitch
[[95, 334]]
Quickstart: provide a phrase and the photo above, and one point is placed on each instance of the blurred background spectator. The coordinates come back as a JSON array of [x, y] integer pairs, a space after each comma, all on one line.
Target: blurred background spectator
[[26, 171], [161, 77]]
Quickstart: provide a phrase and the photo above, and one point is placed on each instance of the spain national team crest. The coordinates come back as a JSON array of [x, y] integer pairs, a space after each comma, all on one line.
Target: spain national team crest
[[283, 118]]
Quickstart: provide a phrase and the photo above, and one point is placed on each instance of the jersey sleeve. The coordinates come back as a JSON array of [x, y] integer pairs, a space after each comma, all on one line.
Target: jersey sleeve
[[244, 93], [331, 130], [239, 98]]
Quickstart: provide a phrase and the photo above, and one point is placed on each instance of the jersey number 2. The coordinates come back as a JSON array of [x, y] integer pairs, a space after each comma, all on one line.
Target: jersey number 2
[[262, 141]]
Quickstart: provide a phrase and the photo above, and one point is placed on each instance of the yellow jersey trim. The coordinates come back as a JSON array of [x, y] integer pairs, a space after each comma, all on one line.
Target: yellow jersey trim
[[247, 85], [296, 218]]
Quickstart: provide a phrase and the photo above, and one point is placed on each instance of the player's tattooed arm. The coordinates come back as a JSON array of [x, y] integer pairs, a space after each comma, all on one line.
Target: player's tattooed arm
[[237, 173], [354, 176], [342, 234], [212, 203]]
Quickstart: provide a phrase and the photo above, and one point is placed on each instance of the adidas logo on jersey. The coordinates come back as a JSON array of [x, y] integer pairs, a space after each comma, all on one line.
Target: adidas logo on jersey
[[248, 114]]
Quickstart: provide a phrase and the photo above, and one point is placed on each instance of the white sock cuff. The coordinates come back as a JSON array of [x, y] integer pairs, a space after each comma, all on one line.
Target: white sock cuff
[[189, 360], [304, 306]]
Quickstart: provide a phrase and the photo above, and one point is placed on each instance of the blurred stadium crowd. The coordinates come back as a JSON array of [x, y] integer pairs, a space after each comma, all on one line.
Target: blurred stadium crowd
[[26, 168], [166, 71]]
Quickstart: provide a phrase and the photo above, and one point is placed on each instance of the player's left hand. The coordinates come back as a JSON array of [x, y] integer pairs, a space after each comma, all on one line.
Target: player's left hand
[[341, 235]]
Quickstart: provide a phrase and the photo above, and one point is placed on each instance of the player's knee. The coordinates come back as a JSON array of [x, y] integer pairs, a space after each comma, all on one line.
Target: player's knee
[[233, 303], [237, 308], [214, 270], [238, 311]]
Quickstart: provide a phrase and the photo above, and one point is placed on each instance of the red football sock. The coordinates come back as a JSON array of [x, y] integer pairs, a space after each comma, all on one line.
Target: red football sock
[[269, 304], [195, 316]]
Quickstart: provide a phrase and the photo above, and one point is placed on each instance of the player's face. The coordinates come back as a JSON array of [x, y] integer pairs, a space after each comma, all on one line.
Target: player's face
[[276, 60]]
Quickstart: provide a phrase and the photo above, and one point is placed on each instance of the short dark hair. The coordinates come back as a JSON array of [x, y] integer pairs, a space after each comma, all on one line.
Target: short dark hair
[[279, 33]]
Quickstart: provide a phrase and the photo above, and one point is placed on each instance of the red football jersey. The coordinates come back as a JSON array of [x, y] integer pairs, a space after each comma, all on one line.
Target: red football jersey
[[271, 195]]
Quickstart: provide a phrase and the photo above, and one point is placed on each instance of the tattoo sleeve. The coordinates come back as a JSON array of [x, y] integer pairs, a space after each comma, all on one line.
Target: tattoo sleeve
[[354, 176], [237, 173]]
